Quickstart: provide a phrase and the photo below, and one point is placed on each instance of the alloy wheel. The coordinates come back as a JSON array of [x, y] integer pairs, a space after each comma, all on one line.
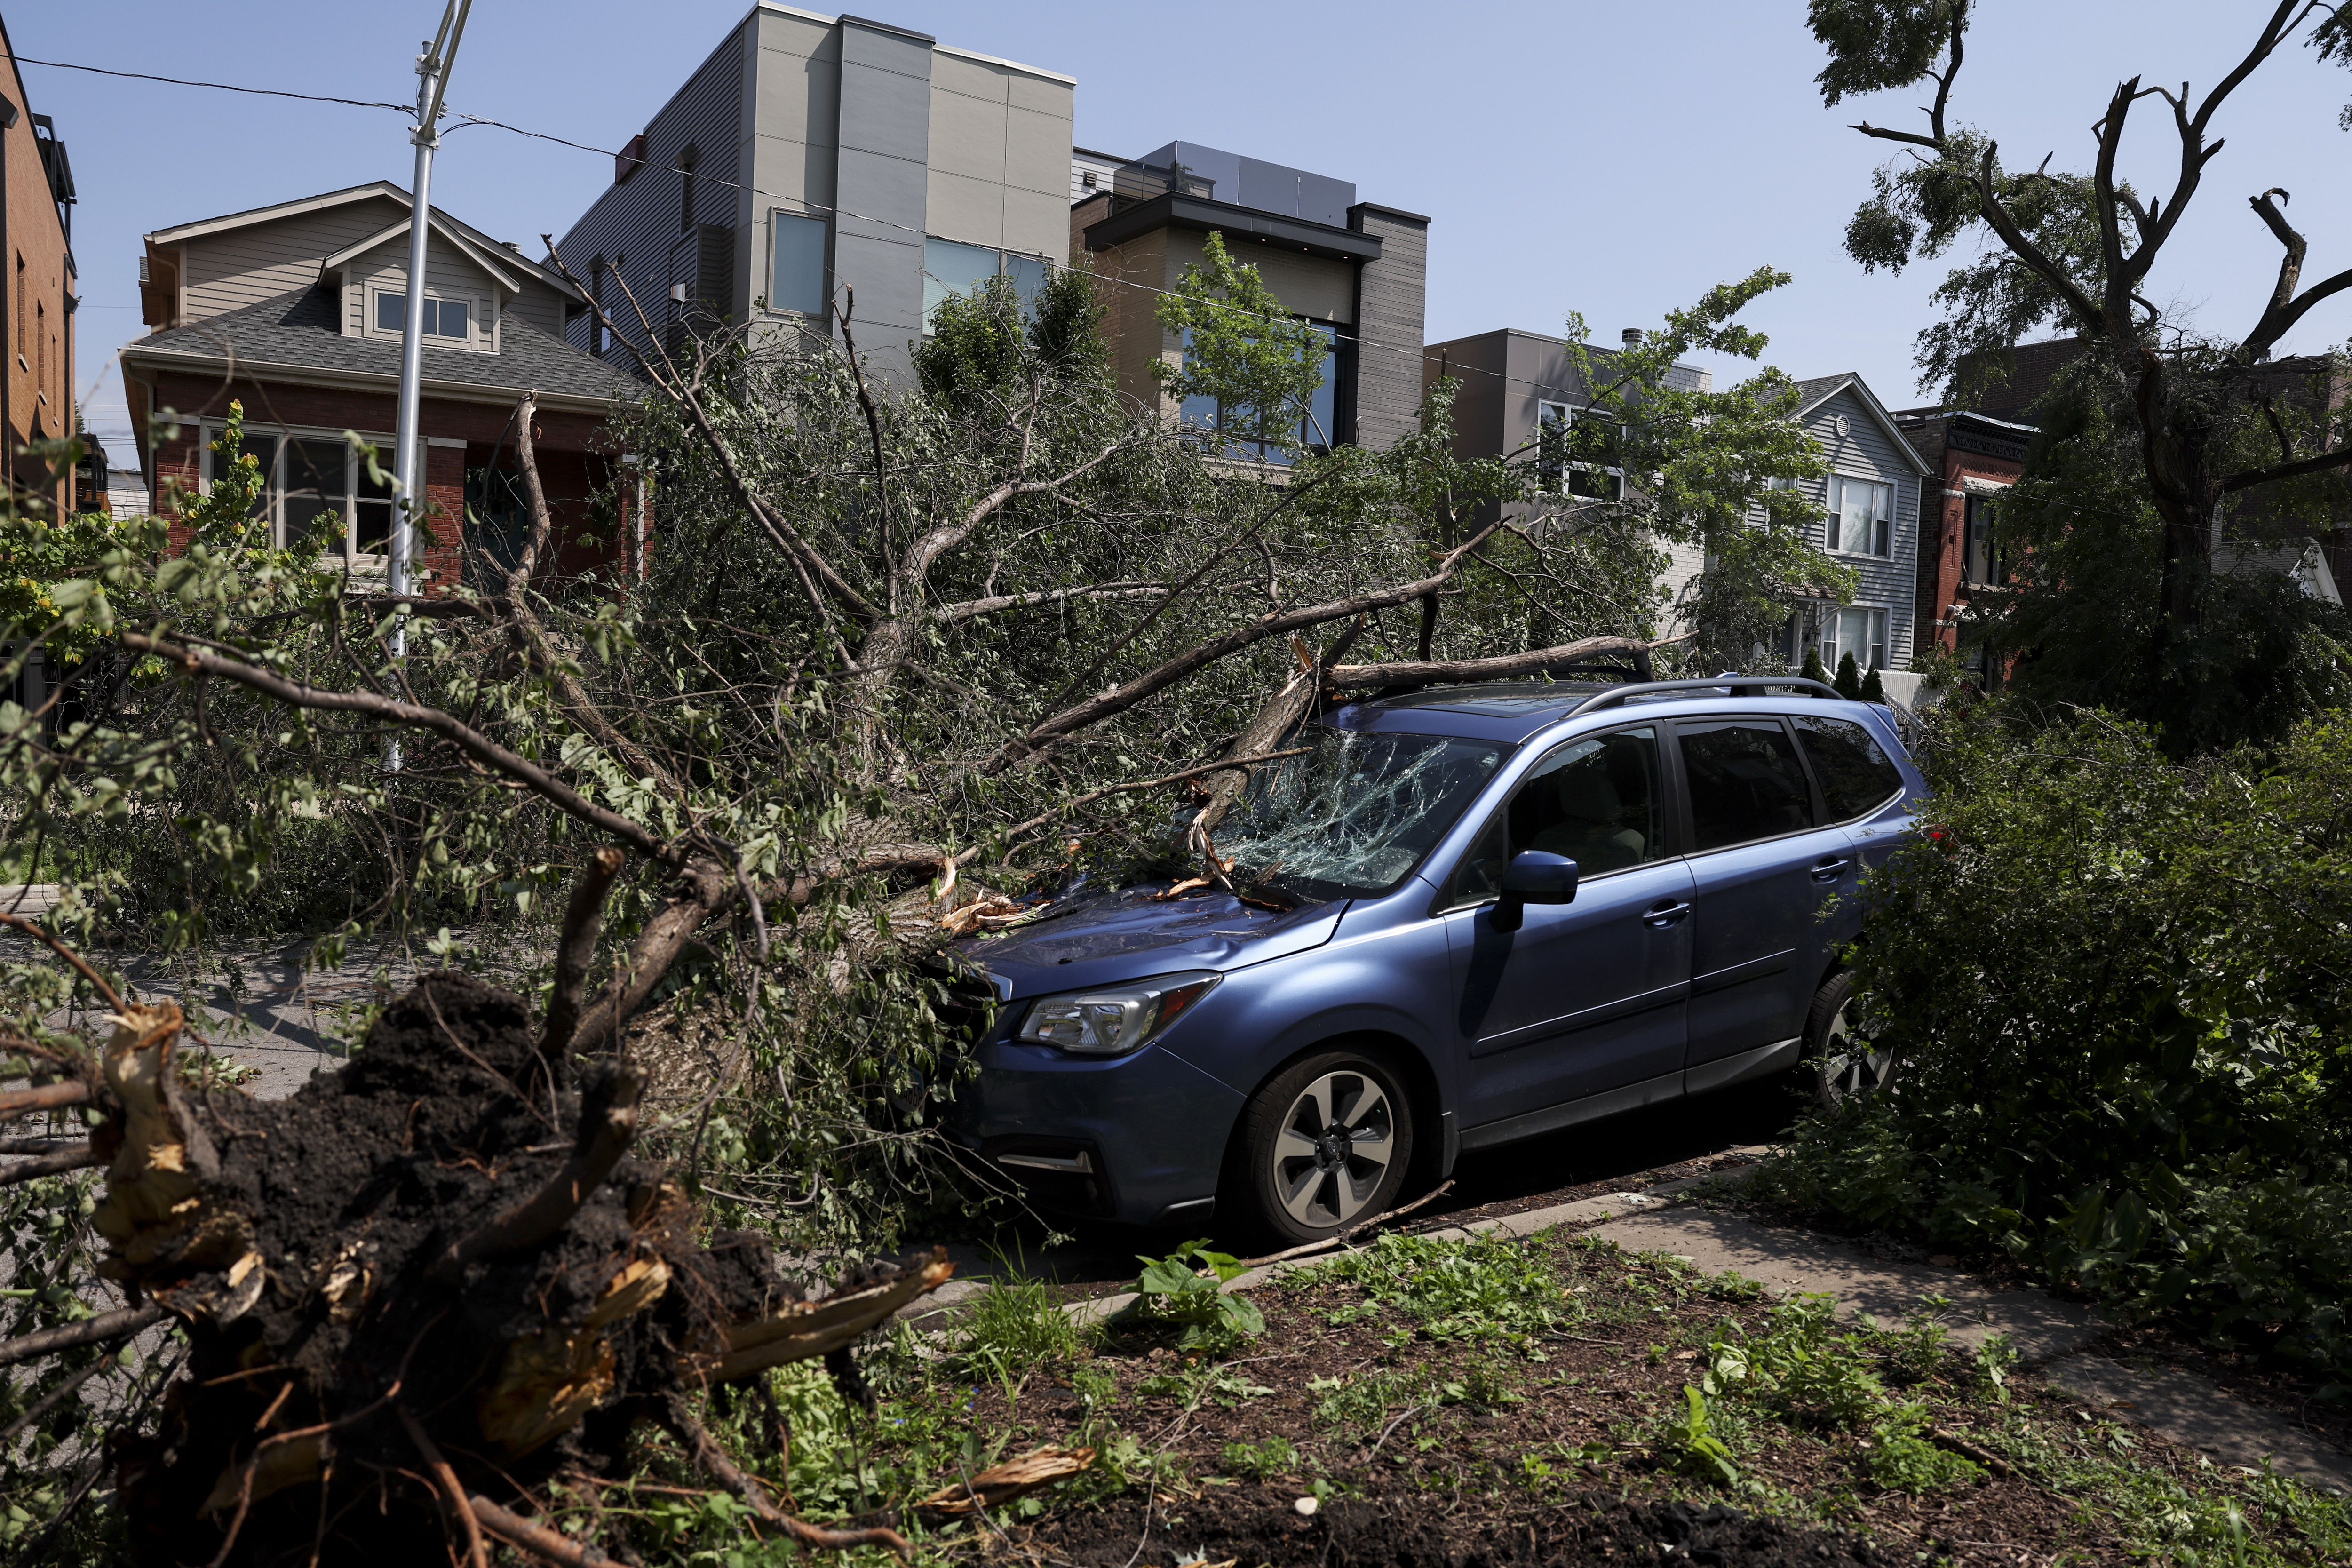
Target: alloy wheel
[[1334, 1149], [1851, 1069]]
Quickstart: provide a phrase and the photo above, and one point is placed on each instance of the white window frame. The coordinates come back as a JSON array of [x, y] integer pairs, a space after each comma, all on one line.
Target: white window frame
[[1834, 514], [1878, 631], [481, 325], [274, 490], [1565, 413], [776, 232]]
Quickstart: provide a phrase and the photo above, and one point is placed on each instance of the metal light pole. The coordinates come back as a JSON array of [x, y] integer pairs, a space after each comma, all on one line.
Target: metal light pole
[[408, 468]]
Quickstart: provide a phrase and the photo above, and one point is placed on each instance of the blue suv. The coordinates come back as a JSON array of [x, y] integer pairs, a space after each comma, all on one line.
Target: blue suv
[[1458, 918]]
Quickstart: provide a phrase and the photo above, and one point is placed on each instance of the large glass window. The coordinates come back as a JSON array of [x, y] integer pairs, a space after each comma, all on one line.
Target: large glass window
[[951, 267], [796, 278], [1246, 436], [1745, 782], [1853, 772], [1858, 631], [317, 482], [1554, 469], [1861, 516]]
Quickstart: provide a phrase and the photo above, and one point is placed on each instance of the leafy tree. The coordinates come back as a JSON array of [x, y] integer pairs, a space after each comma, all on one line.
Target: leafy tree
[[2079, 250], [1243, 348]]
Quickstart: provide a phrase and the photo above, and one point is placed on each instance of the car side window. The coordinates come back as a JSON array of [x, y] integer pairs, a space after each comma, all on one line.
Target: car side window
[[1599, 800], [1745, 782], [1854, 773]]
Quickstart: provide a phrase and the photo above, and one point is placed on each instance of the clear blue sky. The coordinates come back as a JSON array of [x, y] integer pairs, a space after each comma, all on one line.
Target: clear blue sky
[[1611, 158]]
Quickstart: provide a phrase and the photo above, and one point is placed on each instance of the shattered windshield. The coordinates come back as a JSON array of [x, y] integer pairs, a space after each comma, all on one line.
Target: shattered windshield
[[1352, 817]]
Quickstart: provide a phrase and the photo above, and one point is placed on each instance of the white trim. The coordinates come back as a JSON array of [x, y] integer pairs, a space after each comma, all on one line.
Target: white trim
[[459, 442], [999, 60], [369, 563], [1894, 510], [1879, 417], [1972, 485], [353, 252]]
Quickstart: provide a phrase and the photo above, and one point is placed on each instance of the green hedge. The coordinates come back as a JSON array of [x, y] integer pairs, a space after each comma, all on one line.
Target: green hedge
[[2121, 988]]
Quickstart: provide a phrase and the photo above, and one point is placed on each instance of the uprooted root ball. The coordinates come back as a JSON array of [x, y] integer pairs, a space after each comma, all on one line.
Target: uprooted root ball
[[436, 1271]]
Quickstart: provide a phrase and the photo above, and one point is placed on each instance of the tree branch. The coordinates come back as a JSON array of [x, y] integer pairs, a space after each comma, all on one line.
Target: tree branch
[[2339, 459], [787, 538], [1119, 699], [991, 606], [703, 888], [575, 700], [464, 737], [1538, 661], [104, 1329], [2028, 252], [584, 920]]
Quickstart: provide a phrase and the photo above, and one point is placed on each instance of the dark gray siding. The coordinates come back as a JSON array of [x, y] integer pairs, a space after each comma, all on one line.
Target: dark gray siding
[[1390, 314], [636, 226], [883, 178]]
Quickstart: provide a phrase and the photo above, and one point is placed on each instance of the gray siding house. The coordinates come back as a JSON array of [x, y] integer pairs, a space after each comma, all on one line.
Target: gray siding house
[[814, 156], [1870, 522]]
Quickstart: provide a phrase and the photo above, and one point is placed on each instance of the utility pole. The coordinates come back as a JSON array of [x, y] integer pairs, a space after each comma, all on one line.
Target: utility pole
[[408, 466]]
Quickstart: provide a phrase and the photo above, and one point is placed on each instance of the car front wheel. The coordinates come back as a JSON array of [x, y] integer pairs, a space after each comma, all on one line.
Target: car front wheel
[[1323, 1146], [1847, 1067]]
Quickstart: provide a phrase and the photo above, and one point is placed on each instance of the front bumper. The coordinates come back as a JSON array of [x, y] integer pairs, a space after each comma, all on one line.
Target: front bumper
[[1125, 1138]]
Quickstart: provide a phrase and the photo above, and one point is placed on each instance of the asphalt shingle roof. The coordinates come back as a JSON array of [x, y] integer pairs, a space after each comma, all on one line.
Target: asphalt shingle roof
[[301, 328]]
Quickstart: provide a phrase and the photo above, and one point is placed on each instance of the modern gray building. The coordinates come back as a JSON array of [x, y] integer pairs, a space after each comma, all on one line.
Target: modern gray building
[[816, 159], [1355, 268]]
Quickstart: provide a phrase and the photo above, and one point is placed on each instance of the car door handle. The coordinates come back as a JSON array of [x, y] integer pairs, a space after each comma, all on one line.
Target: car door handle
[[1660, 917], [1829, 871]]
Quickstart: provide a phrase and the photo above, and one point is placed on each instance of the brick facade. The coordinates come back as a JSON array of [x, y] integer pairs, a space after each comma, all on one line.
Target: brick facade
[[1974, 455], [575, 454]]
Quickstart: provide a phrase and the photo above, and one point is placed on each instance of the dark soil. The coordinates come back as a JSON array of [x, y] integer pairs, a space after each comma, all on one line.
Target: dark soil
[[1407, 1532], [1441, 1447]]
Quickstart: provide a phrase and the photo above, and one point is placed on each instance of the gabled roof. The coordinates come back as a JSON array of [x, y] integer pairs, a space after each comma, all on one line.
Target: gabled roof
[[1811, 394], [374, 189], [435, 225], [301, 331]]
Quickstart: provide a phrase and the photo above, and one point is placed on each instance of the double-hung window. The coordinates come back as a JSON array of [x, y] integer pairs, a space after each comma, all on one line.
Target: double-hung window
[[1861, 516]]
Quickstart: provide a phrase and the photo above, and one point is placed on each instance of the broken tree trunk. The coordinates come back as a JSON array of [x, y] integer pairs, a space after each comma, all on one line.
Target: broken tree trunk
[[415, 1289]]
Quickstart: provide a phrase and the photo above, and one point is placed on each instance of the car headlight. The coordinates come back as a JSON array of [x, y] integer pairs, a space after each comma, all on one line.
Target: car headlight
[[1118, 1019]]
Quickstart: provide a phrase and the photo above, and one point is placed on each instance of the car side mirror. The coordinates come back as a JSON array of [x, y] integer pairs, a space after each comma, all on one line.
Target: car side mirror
[[1533, 877]]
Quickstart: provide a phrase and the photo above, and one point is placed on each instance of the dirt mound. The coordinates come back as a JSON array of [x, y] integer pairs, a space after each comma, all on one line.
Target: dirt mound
[[1419, 1532], [446, 1247]]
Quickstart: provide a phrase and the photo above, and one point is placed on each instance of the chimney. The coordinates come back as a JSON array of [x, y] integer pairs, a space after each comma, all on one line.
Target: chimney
[[1632, 337]]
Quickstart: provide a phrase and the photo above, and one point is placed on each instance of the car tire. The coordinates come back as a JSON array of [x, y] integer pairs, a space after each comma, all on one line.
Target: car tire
[[1324, 1145], [1846, 1069]]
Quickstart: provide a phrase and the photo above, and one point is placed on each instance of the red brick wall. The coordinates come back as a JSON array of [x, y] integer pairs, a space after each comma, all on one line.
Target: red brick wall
[[574, 453], [1944, 547]]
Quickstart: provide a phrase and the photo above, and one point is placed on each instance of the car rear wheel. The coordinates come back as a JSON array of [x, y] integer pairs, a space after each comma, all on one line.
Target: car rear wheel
[[1846, 1067], [1323, 1146]]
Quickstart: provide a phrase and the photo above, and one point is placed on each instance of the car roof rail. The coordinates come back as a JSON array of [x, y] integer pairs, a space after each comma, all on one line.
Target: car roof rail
[[1741, 685]]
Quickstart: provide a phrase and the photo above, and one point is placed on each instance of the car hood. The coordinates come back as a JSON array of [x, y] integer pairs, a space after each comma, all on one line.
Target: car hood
[[1127, 935]]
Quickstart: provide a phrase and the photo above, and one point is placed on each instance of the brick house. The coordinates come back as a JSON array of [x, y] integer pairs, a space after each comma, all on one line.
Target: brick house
[[1976, 457], [37, 286], [295, 310]]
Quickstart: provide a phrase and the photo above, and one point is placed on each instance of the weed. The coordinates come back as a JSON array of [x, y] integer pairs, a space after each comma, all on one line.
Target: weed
[[1261, 1461], [1361, 1403], [1994, 1358], [1698, 1450], [1895, 1456], [1203, 1383], [1183, 1288], [1016, 1326], [1478, 1286]]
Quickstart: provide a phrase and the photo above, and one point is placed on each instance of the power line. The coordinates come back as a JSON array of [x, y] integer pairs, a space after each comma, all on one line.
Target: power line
[[217, 86]]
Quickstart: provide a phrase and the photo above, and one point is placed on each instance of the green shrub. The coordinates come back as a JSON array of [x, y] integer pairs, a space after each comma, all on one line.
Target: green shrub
[[2121, 991]]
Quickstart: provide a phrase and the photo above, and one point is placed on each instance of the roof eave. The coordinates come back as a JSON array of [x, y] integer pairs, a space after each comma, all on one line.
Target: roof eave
[[140, 358]]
